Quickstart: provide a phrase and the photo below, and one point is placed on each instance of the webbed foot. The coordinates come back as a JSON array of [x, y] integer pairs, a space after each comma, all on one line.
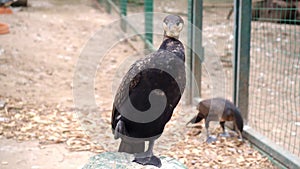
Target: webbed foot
[[153, 160], [211, 139], [225, 134], [241, 140]]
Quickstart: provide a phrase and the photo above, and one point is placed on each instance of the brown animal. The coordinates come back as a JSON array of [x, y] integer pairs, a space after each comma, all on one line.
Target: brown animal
[[218, 109]]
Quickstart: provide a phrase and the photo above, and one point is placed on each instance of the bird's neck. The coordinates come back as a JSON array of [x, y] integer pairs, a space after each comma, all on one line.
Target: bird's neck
[[167, 37], [173, 45]]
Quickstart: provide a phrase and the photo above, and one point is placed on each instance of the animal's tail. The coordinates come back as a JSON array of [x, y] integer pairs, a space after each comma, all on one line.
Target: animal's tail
[[196, 119], [132, 147], [238, 120]]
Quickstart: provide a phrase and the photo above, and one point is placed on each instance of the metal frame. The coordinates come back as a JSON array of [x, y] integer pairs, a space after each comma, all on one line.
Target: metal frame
[[283, 158], [149, 20], [195, 42], [197, 47], [122, 11], [110, 5], [242, 55]]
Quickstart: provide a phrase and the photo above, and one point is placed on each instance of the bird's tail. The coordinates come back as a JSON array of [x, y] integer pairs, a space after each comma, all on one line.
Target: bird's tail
[[120, 128], [238, 120], [132, 147], [127, 145], [196, 119]]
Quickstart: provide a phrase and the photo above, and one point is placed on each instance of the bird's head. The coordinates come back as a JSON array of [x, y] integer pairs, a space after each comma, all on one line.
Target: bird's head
[[172, 25]]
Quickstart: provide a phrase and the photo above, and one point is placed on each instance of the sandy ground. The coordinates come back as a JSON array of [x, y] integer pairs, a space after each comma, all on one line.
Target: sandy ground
[[37, 64], [30, 154]]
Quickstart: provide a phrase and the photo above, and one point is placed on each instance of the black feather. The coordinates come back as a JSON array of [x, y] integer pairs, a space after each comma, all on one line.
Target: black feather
[[146, 75]]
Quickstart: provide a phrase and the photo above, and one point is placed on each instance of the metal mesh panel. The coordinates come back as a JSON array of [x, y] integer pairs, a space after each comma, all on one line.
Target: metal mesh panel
[[274, 73], [218, 31]]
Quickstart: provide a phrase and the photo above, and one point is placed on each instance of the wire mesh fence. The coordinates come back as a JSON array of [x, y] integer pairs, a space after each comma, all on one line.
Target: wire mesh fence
[[218, 30], [274, 73]]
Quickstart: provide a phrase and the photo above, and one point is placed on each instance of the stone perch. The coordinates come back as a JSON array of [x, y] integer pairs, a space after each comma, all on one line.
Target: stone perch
[[116, 160]]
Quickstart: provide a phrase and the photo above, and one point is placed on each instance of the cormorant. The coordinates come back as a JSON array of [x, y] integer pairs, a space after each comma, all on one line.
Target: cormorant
[[148, 94], [218, 109]]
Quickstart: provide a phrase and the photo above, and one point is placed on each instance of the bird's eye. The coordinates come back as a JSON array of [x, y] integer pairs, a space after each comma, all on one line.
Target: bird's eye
[[165, 25], [177, 23]]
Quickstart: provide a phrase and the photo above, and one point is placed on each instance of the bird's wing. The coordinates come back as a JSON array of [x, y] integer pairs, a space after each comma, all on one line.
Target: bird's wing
[[214, 108], [162, 60], [129, 82]]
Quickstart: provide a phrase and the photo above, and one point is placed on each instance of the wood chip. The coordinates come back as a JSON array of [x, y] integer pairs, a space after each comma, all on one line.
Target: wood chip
[[54, 124]]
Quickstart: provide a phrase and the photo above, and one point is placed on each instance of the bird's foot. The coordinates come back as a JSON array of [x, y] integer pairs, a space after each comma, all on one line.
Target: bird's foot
[[225, 134], [240, 139], [211, 139], [152, 160]]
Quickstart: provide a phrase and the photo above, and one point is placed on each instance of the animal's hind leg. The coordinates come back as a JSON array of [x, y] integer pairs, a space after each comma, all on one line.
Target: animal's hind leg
[[224, 134], [210, 138], [239, 133]]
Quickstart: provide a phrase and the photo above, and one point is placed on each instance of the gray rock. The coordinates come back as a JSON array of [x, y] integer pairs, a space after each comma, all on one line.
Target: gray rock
[[115, 160]]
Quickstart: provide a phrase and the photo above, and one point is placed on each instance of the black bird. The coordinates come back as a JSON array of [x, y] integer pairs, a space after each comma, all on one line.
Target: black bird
[[148, 94], [218, 109]]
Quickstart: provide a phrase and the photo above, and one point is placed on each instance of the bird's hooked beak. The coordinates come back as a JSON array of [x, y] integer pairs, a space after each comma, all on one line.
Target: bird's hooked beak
[[172, 29], [172, 26]]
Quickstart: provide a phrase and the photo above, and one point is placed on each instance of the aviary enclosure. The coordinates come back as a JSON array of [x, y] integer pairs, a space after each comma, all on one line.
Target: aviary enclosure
[[258, 48]]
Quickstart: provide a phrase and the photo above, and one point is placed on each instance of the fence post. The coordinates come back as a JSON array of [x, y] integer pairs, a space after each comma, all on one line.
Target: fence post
[[123, 10], [189, 54], [235, 48], [197, 48], [108, 7], [242, 55], [195, 15], [148, 21]]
